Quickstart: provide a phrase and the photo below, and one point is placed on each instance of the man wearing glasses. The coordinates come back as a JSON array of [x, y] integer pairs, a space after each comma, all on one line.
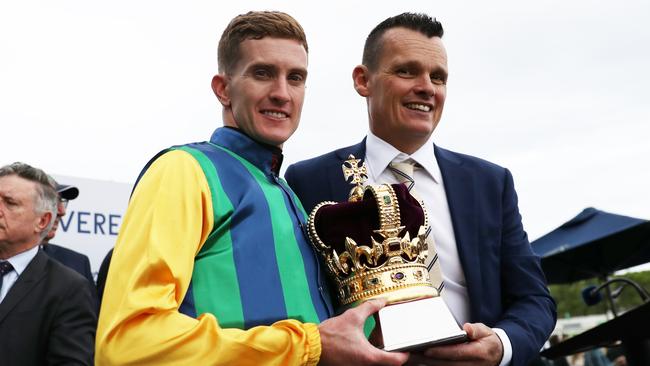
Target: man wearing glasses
[[68, 257]]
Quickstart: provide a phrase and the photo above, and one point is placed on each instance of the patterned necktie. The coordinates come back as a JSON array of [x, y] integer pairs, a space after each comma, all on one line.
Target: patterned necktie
[[404, 173], [5, 267]]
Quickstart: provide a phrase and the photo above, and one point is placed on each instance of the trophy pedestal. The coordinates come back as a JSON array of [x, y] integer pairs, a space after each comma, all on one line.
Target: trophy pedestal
[[417, 325]]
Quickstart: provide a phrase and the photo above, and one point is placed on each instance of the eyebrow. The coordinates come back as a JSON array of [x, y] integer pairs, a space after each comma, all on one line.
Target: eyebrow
[[261, 65], [301, 70], [8, 196], [274, 68], [418, 65]]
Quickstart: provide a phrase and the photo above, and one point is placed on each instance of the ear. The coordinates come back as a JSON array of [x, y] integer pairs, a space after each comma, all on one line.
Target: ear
[[44, 221], [221, 90], [360, 76]]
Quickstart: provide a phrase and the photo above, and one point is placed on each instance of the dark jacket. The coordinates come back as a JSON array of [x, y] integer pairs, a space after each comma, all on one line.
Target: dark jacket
[[48, 317]]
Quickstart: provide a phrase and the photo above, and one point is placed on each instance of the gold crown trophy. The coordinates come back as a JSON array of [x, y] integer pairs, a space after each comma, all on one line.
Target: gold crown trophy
[[374, 246]]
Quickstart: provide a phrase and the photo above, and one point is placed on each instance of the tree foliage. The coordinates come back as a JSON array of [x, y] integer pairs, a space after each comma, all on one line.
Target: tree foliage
[[570, 303]]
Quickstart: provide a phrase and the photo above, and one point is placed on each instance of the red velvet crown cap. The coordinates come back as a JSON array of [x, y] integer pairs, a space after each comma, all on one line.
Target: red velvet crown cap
[[358, 220]]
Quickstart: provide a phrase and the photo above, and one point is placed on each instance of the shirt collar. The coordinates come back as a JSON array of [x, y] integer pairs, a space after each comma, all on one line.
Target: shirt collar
[[265, 157], [380, 153], [21, 261]]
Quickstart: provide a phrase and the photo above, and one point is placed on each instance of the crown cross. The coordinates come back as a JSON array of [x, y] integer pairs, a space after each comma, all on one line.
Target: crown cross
[[359, 175]]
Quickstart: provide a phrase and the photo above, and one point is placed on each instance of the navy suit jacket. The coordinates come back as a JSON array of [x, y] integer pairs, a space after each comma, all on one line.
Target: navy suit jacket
[[506, 285], [71, 259]]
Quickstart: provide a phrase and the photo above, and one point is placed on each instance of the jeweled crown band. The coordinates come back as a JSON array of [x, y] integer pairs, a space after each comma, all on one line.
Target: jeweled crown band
[[392, 267], [387, 205]]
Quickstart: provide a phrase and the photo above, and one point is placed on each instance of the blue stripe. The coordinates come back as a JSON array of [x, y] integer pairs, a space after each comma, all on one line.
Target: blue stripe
[[187, 306], [309, 257], [252, 237]]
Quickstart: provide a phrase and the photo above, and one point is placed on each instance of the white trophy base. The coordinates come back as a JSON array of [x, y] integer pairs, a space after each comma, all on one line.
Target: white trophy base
[[417, 325]]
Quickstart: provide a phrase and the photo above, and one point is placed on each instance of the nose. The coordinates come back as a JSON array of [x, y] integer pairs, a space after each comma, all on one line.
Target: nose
[[424, 86], [280, 91]]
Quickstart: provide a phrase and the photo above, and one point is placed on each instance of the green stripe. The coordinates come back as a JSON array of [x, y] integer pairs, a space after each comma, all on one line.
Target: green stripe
[[291, 267], [222, 297]]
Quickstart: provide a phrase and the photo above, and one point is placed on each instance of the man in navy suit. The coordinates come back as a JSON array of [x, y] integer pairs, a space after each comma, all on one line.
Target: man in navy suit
[[493, 283], [68, 257]]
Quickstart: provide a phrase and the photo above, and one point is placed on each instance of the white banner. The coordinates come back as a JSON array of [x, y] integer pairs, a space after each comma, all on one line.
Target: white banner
[[93, 219]]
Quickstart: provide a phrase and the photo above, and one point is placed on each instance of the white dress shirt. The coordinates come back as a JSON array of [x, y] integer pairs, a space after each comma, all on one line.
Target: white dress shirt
[[430, 188], [19, 262]]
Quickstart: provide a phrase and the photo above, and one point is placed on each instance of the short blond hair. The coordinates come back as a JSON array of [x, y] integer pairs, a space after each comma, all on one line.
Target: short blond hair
[[256, 25]]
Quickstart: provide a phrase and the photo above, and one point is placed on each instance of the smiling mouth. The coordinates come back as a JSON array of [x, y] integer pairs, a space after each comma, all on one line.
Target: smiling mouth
[[418, 107], [275, 114]]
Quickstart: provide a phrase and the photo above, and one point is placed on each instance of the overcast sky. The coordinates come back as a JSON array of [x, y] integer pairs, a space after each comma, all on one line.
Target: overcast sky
[[557, 91]]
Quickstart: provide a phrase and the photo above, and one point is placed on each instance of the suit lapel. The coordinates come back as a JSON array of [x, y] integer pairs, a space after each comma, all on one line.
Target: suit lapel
[[32, 275], [460, 189]]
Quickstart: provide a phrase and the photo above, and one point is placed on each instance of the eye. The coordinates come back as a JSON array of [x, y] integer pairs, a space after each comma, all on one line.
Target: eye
[[297, 77], [262, 74], [438, 79], [404, 72]]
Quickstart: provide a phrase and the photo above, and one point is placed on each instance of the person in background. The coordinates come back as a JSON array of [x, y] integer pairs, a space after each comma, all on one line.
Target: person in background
[[47, 310], [70, 258], [560, 361]]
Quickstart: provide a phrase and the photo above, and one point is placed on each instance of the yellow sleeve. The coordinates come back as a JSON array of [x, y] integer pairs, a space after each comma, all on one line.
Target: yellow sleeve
[[169, 216]]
